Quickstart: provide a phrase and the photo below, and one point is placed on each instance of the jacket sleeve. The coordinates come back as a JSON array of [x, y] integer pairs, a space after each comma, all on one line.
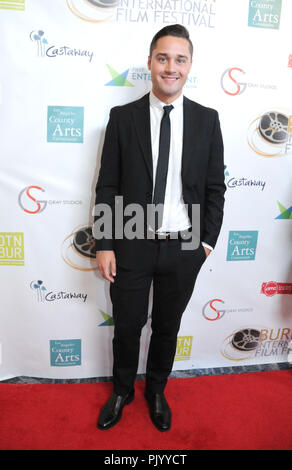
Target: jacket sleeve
[[215, 187], [107, 187]]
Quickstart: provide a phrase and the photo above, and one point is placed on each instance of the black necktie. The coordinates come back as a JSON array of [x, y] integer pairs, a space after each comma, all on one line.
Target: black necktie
[[163, 157]]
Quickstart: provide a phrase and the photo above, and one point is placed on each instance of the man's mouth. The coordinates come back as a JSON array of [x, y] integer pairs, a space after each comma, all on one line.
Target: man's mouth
[[168, 78]]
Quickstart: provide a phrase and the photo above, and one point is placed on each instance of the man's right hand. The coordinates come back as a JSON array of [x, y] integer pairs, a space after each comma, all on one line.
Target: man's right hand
[[106, 263]]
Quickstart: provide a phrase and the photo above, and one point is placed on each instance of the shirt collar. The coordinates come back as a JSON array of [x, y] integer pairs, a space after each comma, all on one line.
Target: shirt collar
[[154, 101]]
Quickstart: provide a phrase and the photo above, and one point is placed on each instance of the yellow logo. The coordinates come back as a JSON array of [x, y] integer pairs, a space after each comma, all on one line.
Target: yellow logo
[[183, 348]]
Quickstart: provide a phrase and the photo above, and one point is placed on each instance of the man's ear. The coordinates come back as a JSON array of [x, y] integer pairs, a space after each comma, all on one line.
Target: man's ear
[[149, 62]]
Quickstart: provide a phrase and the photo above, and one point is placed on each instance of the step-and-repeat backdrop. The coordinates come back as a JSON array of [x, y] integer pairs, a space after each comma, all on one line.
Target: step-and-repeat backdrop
[[64, 64]]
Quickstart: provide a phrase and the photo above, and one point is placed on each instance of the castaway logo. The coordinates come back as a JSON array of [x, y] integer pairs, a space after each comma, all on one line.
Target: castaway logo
[[264, 13], [243, 182], [43, 49], [250, 342], [183, 348], [65, 124], [43, 295], [136, 76], [31, 205], [232, 82], [11, 249], [65, 352], [272, 288], [284, 212], [78, 249], [290, 60], [270, 134], [215, 309], [242, 245], [12, 5], [191, 13]]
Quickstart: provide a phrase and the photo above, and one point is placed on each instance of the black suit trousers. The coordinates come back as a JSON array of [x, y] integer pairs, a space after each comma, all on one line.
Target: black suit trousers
[[173, 272]]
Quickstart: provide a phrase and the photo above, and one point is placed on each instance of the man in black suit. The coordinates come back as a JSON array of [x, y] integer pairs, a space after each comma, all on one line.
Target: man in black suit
[[161, 151]]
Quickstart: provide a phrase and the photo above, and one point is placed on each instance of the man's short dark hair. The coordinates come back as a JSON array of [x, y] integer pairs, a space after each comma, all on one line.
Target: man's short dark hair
[[176, 30]]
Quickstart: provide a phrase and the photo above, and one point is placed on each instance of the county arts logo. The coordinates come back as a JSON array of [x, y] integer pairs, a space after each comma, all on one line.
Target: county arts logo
[[242, 245], [43, 49], [65, 352], [191, 13], [232, 82], [264, 13], [256, 341], [270, 134], [65, 124]]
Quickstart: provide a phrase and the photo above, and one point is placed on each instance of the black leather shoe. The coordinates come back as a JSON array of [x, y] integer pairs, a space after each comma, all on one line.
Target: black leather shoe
[[160, 413], [111, 413]]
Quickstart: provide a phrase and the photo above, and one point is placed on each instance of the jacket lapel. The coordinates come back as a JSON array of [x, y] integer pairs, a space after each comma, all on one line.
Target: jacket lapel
[[141, 117]]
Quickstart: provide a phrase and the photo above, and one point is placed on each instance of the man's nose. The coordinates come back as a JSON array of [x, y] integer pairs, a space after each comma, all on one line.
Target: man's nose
[[170, 66]]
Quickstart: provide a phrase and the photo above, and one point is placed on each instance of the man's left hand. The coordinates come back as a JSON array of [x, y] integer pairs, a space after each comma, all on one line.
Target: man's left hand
[[207, 251]]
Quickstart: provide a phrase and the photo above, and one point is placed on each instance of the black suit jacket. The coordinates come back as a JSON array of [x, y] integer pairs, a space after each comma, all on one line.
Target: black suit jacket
[[126, 167]]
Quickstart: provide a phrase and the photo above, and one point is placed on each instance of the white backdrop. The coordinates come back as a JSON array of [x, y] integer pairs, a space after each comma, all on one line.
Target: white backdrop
[[64, 64]]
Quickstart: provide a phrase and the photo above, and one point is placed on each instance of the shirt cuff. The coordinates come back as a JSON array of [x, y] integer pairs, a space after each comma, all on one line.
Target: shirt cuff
[[207, 246]]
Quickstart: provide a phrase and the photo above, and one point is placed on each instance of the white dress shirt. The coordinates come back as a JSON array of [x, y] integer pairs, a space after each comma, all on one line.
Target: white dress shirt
[[175, 215]]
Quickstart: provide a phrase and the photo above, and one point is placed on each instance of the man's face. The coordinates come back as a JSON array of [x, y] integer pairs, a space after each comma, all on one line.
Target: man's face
[[170, 65]]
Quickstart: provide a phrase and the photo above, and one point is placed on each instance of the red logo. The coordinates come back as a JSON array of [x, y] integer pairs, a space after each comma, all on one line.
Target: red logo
[[290, 61], [272, 288]]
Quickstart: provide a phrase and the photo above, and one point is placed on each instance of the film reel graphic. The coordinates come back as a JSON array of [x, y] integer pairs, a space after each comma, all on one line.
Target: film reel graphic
[[274, 127], [241, 345], [268, 134], [93, 11], [78, 249], [246, 340]]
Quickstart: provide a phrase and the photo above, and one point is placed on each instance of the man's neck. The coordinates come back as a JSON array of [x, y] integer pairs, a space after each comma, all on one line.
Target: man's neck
[[166, 99]]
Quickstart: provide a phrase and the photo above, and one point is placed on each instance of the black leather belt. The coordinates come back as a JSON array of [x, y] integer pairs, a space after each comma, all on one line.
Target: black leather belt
[[165, 237]]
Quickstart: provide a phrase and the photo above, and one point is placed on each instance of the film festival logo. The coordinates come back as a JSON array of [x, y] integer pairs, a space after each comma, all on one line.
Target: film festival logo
[[65, 124], [78, 249], [255, 341], [264, 13], [190, 13], [231, 85], [11, 249], [270, 134], [43, 295], [65, 352], [32, 205], [45, 50], [212, 311], [18, 5]]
